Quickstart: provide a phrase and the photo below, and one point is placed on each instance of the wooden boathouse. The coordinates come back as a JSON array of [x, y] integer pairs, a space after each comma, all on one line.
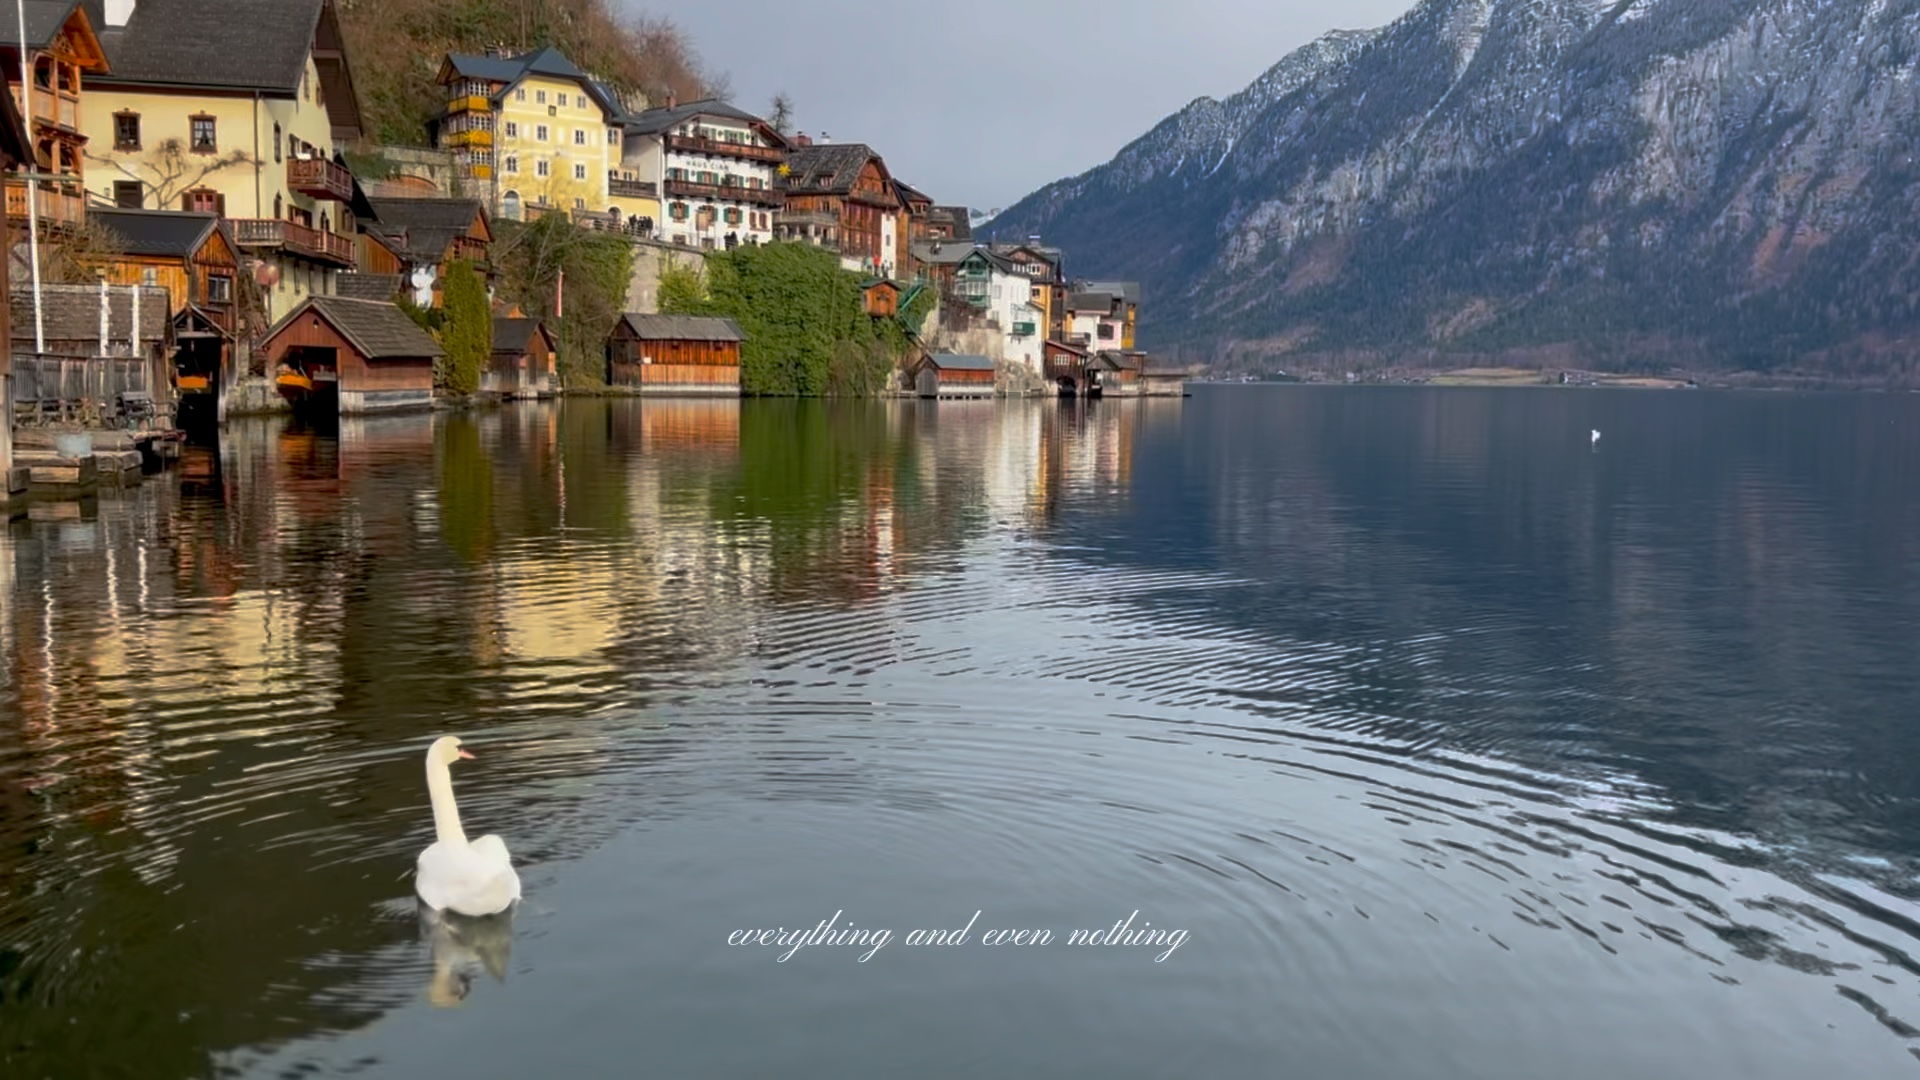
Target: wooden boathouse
[[675, 354], [332, 354], [952, 375], [522, 364]]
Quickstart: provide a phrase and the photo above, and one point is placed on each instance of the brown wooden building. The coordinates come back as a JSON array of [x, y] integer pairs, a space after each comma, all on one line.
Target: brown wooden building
[[953, 375], [880, 297], [16, 150], [522, 365], [1067, 366], [837, 197], [192, 256], [62, 44], [425, 234], [685, 354], [332, 353]]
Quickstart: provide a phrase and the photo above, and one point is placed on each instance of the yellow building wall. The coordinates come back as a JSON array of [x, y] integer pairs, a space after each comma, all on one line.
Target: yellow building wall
[[243, 168], [563, 114]]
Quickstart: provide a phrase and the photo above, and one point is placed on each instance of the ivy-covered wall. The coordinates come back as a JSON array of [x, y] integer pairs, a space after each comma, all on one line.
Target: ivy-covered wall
[[808, 334]]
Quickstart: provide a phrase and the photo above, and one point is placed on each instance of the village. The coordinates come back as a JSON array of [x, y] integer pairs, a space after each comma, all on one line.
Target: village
[[189, 241]]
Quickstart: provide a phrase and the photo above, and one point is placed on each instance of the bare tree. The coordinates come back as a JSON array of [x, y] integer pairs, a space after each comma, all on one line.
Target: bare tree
[[780, 113], [169, 171]]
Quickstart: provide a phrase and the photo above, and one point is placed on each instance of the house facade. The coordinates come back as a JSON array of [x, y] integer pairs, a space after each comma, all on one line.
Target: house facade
[[415, 240], [332, 354], [675, 354], [839, 196], [233, 108], [532, 131], [193, 257], [62, 50], [715, 170]]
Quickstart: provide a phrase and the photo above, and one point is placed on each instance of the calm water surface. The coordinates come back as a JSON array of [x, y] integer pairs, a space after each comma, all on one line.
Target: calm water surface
[[1456, 746]]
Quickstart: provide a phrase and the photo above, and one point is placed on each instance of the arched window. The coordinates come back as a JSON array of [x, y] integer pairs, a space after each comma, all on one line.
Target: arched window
[[278, 209], [276, 142], [510, 205]]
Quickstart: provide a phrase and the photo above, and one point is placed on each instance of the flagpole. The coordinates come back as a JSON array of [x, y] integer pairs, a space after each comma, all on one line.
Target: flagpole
[[33, 208]]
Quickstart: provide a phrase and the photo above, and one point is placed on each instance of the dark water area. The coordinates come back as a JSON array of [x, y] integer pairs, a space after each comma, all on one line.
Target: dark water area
[[1406, 732]]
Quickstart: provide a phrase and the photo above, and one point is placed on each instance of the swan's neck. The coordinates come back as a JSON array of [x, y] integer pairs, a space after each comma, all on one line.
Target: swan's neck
[[446, 816]]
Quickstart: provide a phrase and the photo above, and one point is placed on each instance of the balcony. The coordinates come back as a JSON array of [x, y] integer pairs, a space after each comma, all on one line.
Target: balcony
[[470, 249], [632, 189], [56, 108], [694, 144], [472, 137], [1023, 329], [293, 238], [686, 189], [320, 178], [63, 205], [469, 103]]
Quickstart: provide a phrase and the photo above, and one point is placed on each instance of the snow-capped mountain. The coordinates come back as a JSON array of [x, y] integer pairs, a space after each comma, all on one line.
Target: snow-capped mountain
[[1626, 181]]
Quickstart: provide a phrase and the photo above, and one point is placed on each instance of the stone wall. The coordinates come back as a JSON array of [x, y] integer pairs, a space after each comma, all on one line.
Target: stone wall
[[650, 257]]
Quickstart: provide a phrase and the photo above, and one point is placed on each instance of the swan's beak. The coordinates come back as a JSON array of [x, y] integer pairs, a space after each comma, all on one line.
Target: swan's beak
[[466, 755]]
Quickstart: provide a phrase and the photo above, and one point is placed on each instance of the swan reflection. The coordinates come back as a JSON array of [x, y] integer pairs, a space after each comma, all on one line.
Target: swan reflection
[[463, 947]]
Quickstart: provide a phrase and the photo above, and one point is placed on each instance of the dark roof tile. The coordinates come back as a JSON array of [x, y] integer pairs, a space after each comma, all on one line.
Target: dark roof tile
[[174, 233], [683, 328]]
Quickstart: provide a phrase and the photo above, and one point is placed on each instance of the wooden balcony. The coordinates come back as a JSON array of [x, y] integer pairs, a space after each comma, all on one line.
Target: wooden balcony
[[293, 238], [469, 103], [632, 189], [59, 205], [686, 189], [693, 144], [469, 137], [56, 108], [470, 249], [320, 178]]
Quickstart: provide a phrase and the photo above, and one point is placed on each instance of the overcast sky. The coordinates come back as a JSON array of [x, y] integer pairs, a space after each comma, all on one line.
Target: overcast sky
[[981, 102]]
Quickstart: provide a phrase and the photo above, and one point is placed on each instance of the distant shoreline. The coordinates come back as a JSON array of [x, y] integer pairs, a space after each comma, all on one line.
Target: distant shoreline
[[1527, 377]]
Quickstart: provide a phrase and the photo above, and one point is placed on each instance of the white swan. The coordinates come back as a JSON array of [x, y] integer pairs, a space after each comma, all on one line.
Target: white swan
[[453, 875]]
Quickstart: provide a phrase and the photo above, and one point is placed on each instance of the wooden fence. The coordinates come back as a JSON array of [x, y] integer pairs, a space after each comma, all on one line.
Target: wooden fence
[[74, 379]]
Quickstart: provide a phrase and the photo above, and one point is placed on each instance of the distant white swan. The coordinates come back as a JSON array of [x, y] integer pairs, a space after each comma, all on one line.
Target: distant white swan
[[453, 875], [1596, 434]]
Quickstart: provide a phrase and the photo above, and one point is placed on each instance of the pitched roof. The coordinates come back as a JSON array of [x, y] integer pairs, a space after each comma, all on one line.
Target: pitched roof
[[942, 252], [364, 286], [1130, 290], [44, 20], [1101, 302], [423, 228], [514, 336], [175, 233], [960, 362], [377, 328], [683, 328], [830, 169], [954, 217], [1067, 346], [550, 61], [241, 44], [655, 121]]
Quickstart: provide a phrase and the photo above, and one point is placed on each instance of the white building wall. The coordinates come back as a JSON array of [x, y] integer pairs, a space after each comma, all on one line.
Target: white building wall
[[755, 219], [889, 244]]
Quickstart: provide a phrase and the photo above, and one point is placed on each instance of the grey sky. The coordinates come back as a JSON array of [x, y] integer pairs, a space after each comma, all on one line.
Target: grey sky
[[981, 102]]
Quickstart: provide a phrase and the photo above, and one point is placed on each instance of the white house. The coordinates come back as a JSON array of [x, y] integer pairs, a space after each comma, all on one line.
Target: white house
[[715, 168]]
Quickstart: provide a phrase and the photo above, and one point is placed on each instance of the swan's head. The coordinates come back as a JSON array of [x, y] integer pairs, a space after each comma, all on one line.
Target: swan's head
[[446, 750]]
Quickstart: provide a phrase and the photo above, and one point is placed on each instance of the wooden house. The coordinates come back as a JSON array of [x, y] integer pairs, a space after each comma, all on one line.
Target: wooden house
[[915, 205], [335, 354], [947, 375], [1065, 364], [839, 196], [417, 239], [685, 354], [62, 46], [192, 256], [1161, 378], [522, 365], [880, 297]]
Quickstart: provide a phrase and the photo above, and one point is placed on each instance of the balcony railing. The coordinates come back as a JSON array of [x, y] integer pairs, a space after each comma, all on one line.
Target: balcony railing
[[469, 103], [293, 237], [469, 248], [469, 137], [320, 178], [56, 108], [694, 144], [632, 189], [57, 204], [686, 189]]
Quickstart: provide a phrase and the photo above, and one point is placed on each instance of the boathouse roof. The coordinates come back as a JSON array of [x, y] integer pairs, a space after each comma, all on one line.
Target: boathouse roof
[[513, 336], [377, 329], [682, 328], [424, 228], [960, 362]]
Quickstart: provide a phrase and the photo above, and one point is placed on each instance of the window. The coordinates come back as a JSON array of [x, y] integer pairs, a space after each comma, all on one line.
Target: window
[[276, 142], [579, 101], [130, 194], [293, 146], [200, 125], [677, 211], [540, 167], [733, 215], [540, 133], [510, 165], [539, 97], [510, 205], [613, 136], [278, 207], [551, 111], [149, 276], [579, 136], [219, 289], [513, 130], [579, 172], [204, 201], [126, 131], [1106, 331], [520, 94], [579, 203]]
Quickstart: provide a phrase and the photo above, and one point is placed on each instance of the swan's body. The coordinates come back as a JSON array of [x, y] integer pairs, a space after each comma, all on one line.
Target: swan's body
[[471, 878], [1596, 435]]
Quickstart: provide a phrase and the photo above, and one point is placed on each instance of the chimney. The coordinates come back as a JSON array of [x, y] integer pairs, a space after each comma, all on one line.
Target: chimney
[[803, 139], [825, 138], [118, 12], [673, 100]]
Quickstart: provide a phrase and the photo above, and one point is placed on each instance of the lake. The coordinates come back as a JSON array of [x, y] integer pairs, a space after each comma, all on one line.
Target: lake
[[1371, 732]]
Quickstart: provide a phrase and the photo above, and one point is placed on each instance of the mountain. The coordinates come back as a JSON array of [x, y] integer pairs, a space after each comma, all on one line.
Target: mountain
[[1617, 183]]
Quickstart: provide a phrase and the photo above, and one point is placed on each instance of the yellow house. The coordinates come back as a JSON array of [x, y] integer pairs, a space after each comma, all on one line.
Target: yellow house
[[532, 132], [232, 107], [61, 46]]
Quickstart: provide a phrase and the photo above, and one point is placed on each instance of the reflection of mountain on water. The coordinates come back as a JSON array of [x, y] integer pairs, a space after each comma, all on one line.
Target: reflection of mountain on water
[[1716, 604]]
